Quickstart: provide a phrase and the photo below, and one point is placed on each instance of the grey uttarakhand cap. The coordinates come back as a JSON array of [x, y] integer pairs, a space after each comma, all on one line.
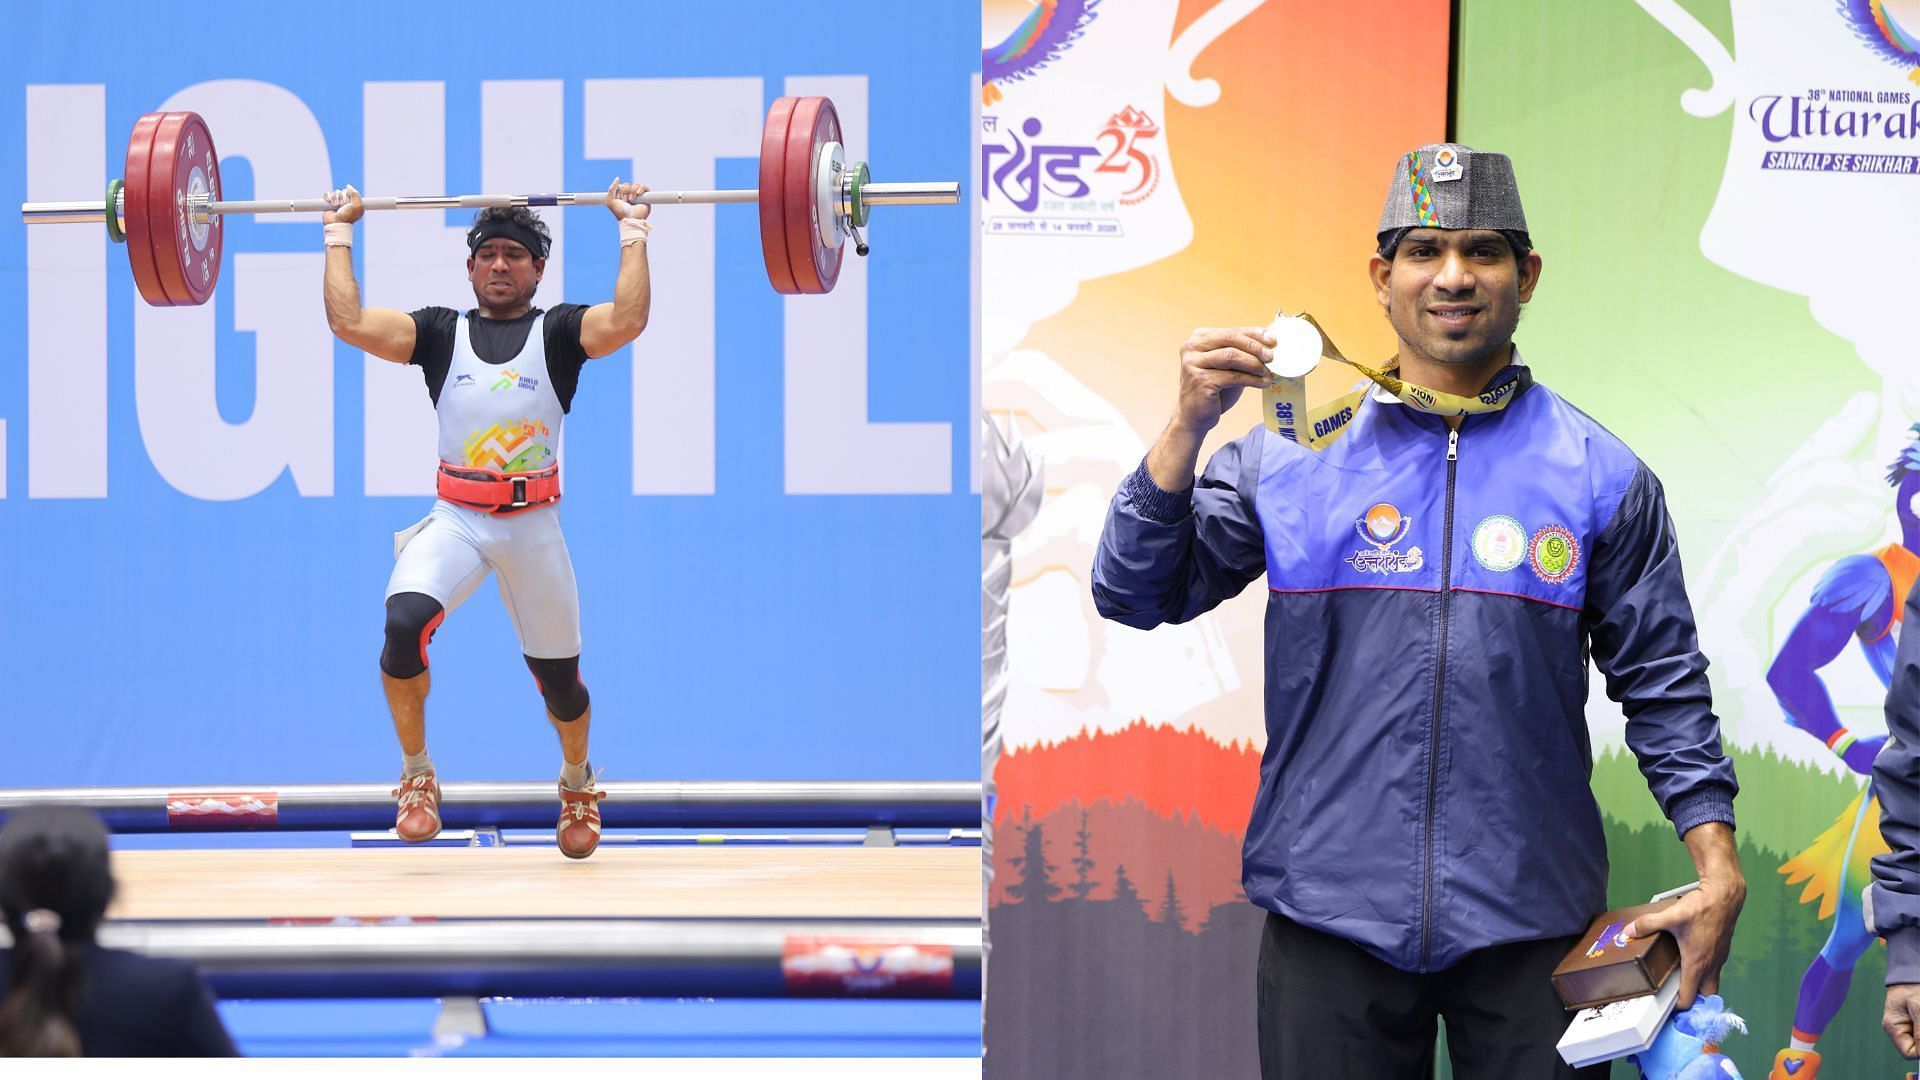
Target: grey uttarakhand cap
[[1449, 186]]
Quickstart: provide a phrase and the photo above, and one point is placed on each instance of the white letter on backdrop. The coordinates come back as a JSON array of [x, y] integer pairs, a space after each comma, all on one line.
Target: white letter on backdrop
[[66, 302], [832, 448], [673, 130]]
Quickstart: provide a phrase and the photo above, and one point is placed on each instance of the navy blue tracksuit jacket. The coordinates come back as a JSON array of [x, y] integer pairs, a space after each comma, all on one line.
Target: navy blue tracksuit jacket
[[1432, 600]]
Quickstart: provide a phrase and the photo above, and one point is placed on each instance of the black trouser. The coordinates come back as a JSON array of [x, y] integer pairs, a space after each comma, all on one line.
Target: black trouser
[[1329, 1009]]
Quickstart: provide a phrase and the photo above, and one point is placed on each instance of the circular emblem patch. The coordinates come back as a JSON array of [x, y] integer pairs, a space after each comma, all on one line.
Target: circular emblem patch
[[1554, 554], [1384, 523], [1499, 543]]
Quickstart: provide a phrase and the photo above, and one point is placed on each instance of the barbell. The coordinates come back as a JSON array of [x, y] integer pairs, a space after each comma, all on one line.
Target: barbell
[[167, 209]]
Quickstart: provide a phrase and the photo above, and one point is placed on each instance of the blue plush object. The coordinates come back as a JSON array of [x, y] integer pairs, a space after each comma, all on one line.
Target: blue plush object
[[1680, 1052]]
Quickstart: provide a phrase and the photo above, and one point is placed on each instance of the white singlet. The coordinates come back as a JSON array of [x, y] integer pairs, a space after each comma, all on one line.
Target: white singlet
[[504, 417]]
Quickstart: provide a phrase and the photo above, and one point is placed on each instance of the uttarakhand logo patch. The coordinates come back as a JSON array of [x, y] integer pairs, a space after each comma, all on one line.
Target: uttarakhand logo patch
[[1554, 553], [1499, 543], [1382, 527]]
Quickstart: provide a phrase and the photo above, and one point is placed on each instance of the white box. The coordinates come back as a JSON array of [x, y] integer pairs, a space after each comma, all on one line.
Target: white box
[[1619, 1028]]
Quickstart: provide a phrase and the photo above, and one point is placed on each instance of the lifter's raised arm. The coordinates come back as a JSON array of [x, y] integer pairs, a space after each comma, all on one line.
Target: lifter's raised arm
[[606, 327], [384, 332]]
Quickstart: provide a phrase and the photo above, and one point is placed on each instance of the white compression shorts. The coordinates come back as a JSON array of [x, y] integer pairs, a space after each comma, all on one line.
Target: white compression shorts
[[447, 556]]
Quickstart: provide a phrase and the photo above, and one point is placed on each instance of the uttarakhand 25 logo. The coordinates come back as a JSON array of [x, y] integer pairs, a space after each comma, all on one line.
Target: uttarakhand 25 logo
[[1032, 166]]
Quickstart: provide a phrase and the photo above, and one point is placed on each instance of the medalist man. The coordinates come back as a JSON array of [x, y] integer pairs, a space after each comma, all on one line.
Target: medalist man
[[1424, 837]]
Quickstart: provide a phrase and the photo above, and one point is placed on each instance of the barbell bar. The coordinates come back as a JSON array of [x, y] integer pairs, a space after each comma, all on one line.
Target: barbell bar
[[168, 211], [93, 213]]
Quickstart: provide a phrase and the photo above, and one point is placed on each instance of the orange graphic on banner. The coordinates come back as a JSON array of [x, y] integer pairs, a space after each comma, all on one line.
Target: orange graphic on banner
[[1128, 128]]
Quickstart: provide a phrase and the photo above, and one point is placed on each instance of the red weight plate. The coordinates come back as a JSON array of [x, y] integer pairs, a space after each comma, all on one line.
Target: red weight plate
[[134, 193], [815, 265], [773, 203], [156, 195], [186, 253]]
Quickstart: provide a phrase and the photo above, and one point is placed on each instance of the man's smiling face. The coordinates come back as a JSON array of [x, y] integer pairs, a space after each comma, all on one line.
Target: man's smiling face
[[1454, 295]]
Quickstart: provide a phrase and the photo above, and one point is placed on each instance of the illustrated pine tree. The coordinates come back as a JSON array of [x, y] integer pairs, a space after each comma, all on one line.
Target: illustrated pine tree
[[1036, 873], [1171, 913], [1124, 894], [1083, 883]]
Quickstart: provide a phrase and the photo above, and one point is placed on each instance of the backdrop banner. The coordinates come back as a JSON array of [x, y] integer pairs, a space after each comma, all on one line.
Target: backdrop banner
[[1720, 191], [1147, 167]]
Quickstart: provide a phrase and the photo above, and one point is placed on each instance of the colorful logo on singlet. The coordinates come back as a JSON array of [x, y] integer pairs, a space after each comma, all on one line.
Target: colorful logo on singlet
[[510, 379], [1554, 553], [1499, 543], [1382, 527], [524, 446]]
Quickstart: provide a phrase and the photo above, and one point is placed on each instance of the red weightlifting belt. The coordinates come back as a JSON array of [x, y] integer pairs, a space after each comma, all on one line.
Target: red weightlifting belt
[[497, 492]]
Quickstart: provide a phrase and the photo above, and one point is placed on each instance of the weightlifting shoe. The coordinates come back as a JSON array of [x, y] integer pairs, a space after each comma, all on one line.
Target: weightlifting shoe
[[418, 820], [579, 830]]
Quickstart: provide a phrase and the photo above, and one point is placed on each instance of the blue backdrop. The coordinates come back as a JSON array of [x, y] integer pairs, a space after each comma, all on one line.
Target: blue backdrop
[[777, 563]]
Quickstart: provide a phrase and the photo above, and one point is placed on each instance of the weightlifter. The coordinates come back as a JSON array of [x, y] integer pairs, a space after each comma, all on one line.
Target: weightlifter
[[502, 377]]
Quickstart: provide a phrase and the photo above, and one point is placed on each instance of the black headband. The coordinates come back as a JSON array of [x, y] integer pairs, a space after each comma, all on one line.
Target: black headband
[[506, 228]]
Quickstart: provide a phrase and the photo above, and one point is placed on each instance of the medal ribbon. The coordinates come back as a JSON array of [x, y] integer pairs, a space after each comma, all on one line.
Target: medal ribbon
[[1316, 428]]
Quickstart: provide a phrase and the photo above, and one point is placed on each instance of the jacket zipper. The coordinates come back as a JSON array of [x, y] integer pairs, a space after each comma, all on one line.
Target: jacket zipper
[[1439, 691]]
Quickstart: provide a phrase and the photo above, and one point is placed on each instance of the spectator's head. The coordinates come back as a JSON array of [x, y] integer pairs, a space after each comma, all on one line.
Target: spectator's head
[[55, 884]]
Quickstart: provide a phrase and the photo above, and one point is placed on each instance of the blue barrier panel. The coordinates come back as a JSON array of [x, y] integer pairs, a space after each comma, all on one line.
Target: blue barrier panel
[[611, 1028]]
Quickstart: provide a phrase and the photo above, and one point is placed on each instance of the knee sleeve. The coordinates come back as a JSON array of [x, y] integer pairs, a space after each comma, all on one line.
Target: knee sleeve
[[411, 620], [559, 683]]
